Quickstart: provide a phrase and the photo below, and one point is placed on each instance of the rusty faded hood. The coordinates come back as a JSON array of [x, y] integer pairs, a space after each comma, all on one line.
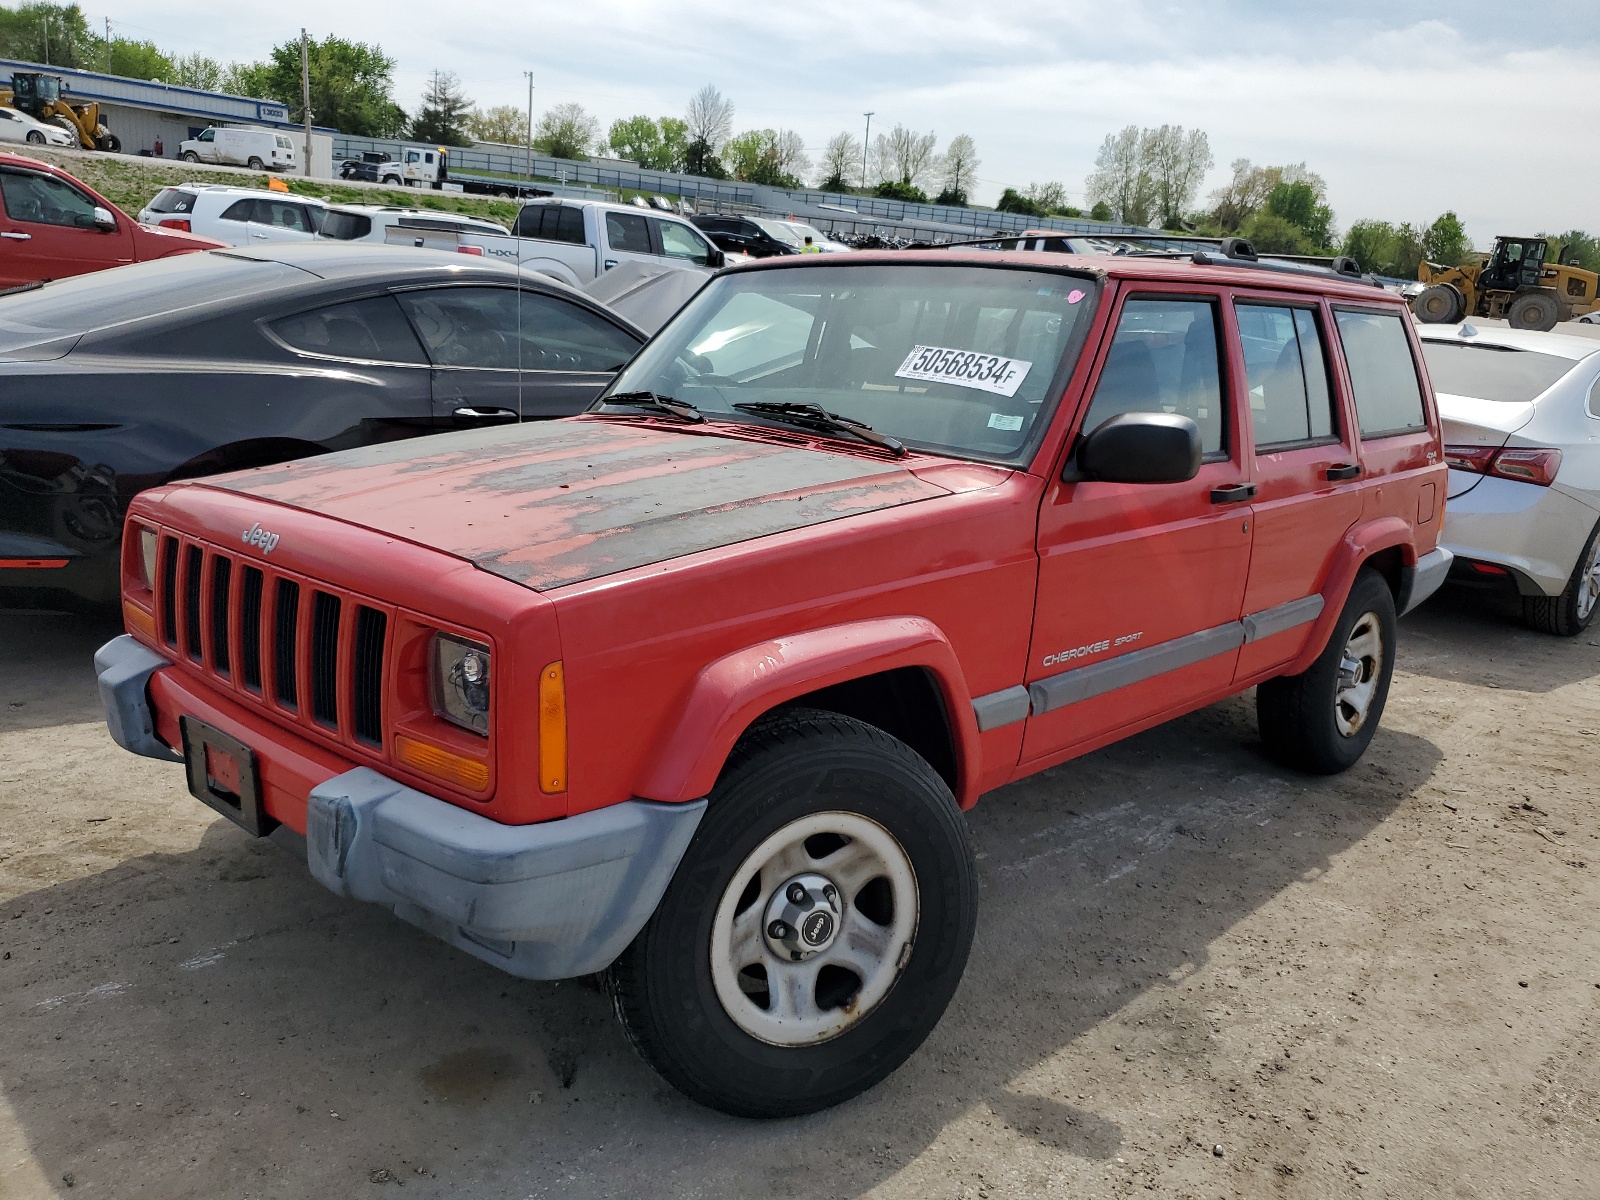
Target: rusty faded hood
[[563, 501]]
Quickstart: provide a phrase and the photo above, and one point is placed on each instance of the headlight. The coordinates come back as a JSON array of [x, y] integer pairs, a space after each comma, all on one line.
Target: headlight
[[461, 682], [148, 546]]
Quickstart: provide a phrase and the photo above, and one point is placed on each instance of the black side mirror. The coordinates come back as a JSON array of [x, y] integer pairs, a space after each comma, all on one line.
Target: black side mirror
[[718, 260], [1138, 447]]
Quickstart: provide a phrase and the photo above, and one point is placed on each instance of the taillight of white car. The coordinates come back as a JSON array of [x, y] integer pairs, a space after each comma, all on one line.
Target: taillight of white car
[[1525, 464]]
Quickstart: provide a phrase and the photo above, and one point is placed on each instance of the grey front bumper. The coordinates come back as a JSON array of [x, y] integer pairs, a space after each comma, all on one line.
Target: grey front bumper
[[1423, 580], [547, 901], [123, 668]]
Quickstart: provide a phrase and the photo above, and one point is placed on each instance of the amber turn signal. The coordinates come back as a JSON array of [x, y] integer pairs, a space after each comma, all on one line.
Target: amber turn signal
[[443, 764], [136, 620], [552, 729]]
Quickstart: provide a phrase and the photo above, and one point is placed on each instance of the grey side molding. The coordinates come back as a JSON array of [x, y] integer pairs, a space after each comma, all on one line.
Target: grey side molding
[[1423, 580], [123, 668], [547, 901], [1084, 683], [1004, 707], [1282, 618]]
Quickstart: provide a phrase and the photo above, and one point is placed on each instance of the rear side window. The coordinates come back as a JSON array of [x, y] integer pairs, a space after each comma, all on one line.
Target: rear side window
[[1164, 359], [628, 233], [479, 326], [172, 200], [551, 223], [1286, 374], [240, 210], [345, 226], [373, 329], [282, 215], [1383, 376]]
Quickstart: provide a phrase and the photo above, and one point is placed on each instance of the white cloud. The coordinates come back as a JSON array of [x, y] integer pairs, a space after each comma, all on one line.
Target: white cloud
[[1370, 99]]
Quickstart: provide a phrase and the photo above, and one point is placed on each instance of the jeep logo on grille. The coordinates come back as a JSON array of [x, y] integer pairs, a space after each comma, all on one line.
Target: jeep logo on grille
[[257, 536]]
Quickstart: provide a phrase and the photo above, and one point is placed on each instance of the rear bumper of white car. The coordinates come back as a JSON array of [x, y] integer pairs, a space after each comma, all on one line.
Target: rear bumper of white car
[[1535, 532]]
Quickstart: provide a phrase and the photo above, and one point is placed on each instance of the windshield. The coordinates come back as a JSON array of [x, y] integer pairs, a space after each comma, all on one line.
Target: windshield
[[1487, 372], [952, 359], [782, 232], [802, 231]]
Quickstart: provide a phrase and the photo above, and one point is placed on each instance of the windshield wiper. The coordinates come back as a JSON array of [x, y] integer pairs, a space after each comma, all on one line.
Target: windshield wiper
[[680, 409], [815, 417]]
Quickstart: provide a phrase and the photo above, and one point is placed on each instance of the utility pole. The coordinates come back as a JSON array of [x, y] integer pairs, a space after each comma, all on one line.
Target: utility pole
[[305, 95], [865, 141], [108, 45], [529, 171], [47, 39]]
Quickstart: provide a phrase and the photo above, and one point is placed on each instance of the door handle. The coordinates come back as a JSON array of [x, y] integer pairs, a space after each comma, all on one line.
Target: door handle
[[262, 236], [16, 237], [1233, 494], [470, 413], [1344, 471]]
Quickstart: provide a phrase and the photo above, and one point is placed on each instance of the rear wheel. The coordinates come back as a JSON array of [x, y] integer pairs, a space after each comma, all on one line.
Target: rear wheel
[[1322, 720], [1533, 310], [816, 929], [1570, 613], [1439, 304]]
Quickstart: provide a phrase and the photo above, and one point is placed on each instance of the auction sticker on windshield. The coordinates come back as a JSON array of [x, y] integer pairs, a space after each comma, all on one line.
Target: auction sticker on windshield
[[965, 368]]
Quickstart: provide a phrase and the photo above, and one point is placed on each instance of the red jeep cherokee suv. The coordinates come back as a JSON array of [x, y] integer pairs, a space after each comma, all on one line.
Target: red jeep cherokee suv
[[694, 687]]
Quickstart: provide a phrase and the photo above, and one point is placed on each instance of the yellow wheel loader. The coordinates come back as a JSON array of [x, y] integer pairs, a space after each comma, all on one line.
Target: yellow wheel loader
[[40, 96], [1512, 282]]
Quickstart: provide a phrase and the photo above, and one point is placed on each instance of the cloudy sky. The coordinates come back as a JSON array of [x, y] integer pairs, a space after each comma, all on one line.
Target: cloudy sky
[[1380, 98]]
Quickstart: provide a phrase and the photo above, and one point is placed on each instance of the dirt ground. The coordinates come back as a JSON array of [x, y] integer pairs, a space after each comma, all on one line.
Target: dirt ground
[[1195, 976]]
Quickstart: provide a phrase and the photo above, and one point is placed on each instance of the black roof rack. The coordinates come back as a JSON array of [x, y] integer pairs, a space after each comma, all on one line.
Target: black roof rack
[[1231, 252]]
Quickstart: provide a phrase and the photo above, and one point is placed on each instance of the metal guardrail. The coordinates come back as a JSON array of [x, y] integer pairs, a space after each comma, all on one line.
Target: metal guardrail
[[870, 210]]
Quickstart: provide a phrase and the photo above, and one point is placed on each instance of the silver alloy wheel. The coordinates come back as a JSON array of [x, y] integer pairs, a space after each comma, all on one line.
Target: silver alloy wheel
[[794, 965], [1359, 668], [1589, 582]]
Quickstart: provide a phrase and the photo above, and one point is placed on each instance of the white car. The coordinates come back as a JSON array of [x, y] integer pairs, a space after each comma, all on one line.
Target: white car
[[18, 126], [397, 226], [1521, 414], [820, 240], [238, 216]]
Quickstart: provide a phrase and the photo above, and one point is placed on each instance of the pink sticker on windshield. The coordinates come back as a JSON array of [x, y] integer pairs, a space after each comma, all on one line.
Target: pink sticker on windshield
[[1074, 296]]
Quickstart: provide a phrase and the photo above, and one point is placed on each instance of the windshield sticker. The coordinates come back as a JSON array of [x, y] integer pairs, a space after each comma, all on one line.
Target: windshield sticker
[[1002, 421], [1074, 296], [965, 368]]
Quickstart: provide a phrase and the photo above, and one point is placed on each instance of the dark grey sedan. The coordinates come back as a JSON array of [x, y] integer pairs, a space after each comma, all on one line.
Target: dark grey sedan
[[114, 382]]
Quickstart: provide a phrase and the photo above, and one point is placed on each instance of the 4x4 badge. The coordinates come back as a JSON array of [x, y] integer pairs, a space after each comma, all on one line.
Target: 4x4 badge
[[257, 536]]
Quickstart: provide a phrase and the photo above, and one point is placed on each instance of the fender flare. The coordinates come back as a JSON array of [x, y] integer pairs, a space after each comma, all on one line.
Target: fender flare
[[731, 693], [1360, 543]]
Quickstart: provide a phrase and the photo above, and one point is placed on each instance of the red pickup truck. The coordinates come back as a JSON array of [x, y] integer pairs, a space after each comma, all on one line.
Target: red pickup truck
[[52, 226], [693, 688]]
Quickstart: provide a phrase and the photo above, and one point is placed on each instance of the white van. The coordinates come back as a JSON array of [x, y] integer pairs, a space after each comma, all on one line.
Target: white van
[[258, 149]]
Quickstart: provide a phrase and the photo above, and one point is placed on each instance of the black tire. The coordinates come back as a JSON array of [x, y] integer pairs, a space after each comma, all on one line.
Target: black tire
[[787, 768], [1439, 304], [111, 144], [1570, 613], [255, 164], [1299, 714], [1533, 310], [190, 156], [36, 137]]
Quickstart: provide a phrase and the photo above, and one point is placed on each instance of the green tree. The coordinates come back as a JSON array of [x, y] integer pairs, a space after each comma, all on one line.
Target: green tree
[[1101, 212], [757, 156], [352, 85], [136, 60], [1575, 244], [1013, 201], [700, 158], [658, 145], [895, 189], [1270, 233], [1371, 244], [566, 131], [505, 124], [1298, 204], [196, 71], [445, 112], [56, 34], [1445, 241]]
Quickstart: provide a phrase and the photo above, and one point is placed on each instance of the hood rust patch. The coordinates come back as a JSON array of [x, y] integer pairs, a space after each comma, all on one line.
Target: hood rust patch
[[559, 502]]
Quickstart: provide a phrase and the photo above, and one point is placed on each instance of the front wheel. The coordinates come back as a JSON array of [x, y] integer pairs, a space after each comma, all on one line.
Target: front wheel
[[816, 929], [36, 137], [1322, 720], [255, 164], [1439, 304], [190, 156], [1570, 613]]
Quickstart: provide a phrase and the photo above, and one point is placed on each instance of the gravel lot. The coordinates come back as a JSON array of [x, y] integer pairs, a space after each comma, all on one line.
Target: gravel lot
[[1385, 984]]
